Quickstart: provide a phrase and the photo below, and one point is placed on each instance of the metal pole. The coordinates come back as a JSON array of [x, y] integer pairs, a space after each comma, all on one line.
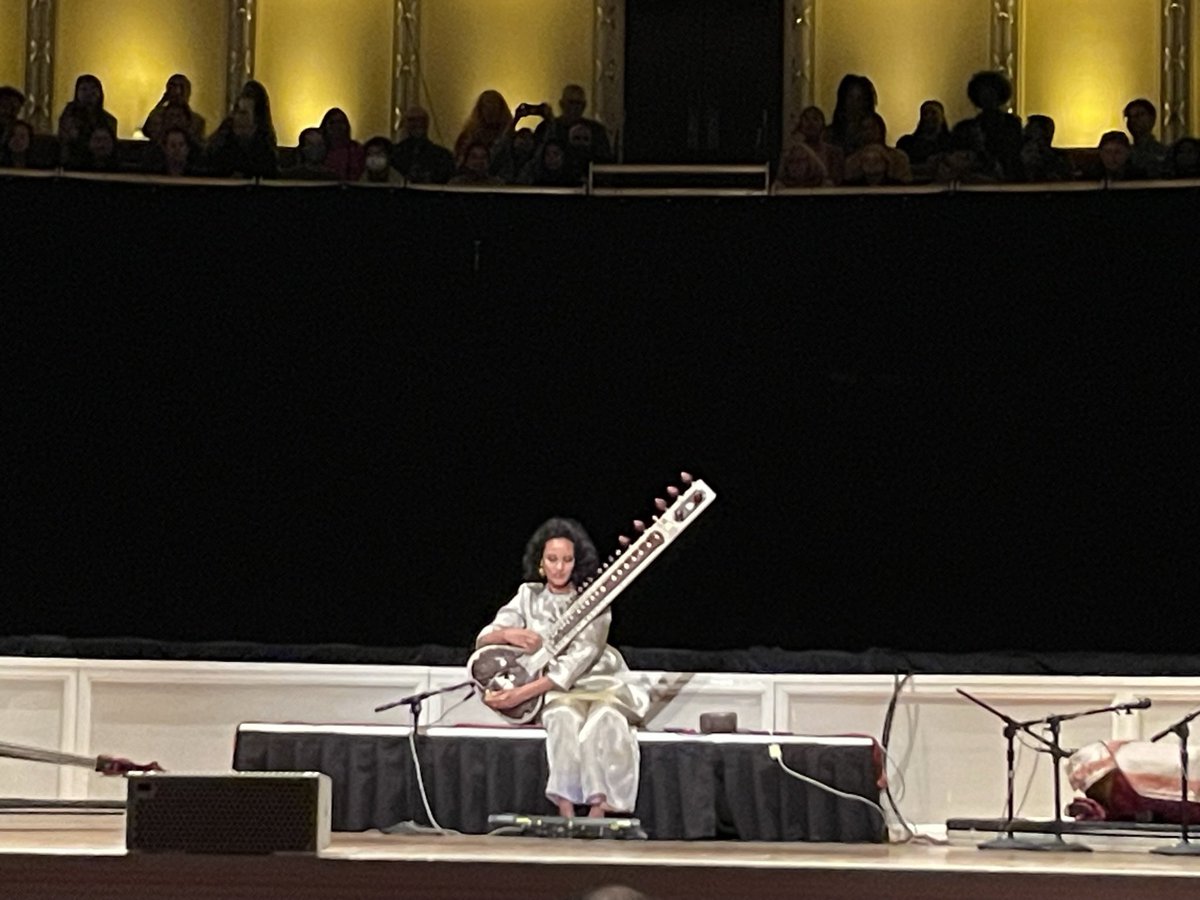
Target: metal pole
[[39, 64], [243, 21]]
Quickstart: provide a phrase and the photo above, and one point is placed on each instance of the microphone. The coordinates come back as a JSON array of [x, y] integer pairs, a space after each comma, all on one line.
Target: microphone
[[1140, 703]]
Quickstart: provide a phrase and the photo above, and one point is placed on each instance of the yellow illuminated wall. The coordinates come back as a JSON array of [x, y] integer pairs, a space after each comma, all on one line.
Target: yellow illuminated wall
[[913, 50], [1083, 60], [526, 49], [12, 43], [317, 54], [1194, 118], [134, 46]]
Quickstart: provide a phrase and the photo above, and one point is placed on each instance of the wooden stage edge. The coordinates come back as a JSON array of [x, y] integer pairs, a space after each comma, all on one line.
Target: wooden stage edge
[[43, 857]]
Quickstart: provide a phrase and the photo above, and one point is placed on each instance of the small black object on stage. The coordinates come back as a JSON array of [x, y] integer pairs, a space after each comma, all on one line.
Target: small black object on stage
[[619, 829], [1009, 841], [1185, 847], [414, 701]]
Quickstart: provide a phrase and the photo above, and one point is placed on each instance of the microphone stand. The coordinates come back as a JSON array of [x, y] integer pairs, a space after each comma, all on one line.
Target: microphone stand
[[1059, 754], [414, 702], [1008, 841], [1185, 847]]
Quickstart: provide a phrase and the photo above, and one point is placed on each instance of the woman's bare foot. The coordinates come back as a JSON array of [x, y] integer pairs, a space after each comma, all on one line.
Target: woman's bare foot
[[566, 809]]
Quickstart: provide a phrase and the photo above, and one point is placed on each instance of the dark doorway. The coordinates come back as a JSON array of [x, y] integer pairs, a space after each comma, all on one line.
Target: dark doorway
[[703, 80]]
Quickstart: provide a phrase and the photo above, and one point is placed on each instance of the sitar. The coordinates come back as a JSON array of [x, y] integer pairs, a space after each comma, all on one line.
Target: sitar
[[502, 667]]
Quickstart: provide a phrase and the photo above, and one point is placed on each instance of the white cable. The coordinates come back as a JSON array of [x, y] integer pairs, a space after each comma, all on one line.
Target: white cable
[[412, 745], [776, 753]]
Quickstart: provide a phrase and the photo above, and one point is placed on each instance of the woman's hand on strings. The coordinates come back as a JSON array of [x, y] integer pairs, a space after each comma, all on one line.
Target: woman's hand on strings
[[522, 638]]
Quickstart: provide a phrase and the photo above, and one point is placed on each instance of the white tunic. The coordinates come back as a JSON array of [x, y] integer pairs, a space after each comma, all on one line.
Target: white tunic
[[590, 742]]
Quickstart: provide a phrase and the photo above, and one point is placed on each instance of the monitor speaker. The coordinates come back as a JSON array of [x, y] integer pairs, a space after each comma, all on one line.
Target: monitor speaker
[[236, 813]]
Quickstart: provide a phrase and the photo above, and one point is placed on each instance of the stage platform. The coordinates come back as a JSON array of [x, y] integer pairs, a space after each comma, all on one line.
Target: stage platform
[[65, 856]]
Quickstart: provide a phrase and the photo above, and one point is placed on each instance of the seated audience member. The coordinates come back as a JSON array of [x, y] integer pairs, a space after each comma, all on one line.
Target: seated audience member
[[344, 155], [810, 130], [874, 133], [489, 119], [871, 167], [1148, 157], [856, 99], [180, 154], [1115, 152], [100, 153], [418, 158], [476, 168], [1040, 161], [260, 102], [244, 145], [12, 102], [512, 153], [1185, 158], [550, 167], [801, 168], [932, 136], [571, 107], [580, 153], [176, 99], [14, 152], [80, 116], [311, 156], [989, 92], [377, 165], [967, 161], [171, 118]]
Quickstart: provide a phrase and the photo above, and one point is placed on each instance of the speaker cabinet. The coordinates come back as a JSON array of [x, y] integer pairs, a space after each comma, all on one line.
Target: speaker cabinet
[[235, 813]]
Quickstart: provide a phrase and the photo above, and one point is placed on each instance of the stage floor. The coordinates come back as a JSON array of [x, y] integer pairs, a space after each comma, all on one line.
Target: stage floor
[[57, 855]]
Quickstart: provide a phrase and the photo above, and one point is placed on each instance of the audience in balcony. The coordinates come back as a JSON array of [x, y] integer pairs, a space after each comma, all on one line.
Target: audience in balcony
[[244, 145], [931, 137], [873, 132], [344, 155], [571, 107], [801, 168], [310, 160], [990, 92], [1114, 159], [967, 161], [551, 166], [12, 102], [487, 123], [512, 153], [377, 163], [476, 168], [810, 130], [416, 157], [83, 114], [856, 99], [100, 153], [1040, 161], [174, 111], [1148, 157], [1185, 158], [179, 155], [15, 150]]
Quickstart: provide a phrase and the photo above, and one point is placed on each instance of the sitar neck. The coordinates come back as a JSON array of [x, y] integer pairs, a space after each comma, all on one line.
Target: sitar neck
[[598, 593]]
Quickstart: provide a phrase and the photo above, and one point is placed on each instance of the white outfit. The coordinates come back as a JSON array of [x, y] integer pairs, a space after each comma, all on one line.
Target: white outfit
[[590, 741]]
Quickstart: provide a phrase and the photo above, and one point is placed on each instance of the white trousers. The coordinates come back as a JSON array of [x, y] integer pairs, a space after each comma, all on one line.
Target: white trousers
[[593, 754]]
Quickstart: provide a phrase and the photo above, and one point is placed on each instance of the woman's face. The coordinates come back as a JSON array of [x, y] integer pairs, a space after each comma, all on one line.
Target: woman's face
[[243, 117], [338, 127], [932, 116], [176, 148], [558, 562], [552, 158], [812, 124], [87, 94], [478, 161]]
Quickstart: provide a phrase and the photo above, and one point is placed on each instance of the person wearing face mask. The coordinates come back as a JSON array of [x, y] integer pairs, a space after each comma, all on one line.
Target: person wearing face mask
[[591, 703], [378, 168]]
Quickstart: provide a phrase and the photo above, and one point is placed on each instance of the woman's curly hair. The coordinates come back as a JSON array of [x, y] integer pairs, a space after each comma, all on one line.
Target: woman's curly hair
[[586, 558]]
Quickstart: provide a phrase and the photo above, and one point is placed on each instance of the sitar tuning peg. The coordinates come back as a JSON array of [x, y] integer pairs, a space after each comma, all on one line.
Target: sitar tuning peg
[[623, 541], [660, 504], [639, 526], [672, 492], [685, 477]]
